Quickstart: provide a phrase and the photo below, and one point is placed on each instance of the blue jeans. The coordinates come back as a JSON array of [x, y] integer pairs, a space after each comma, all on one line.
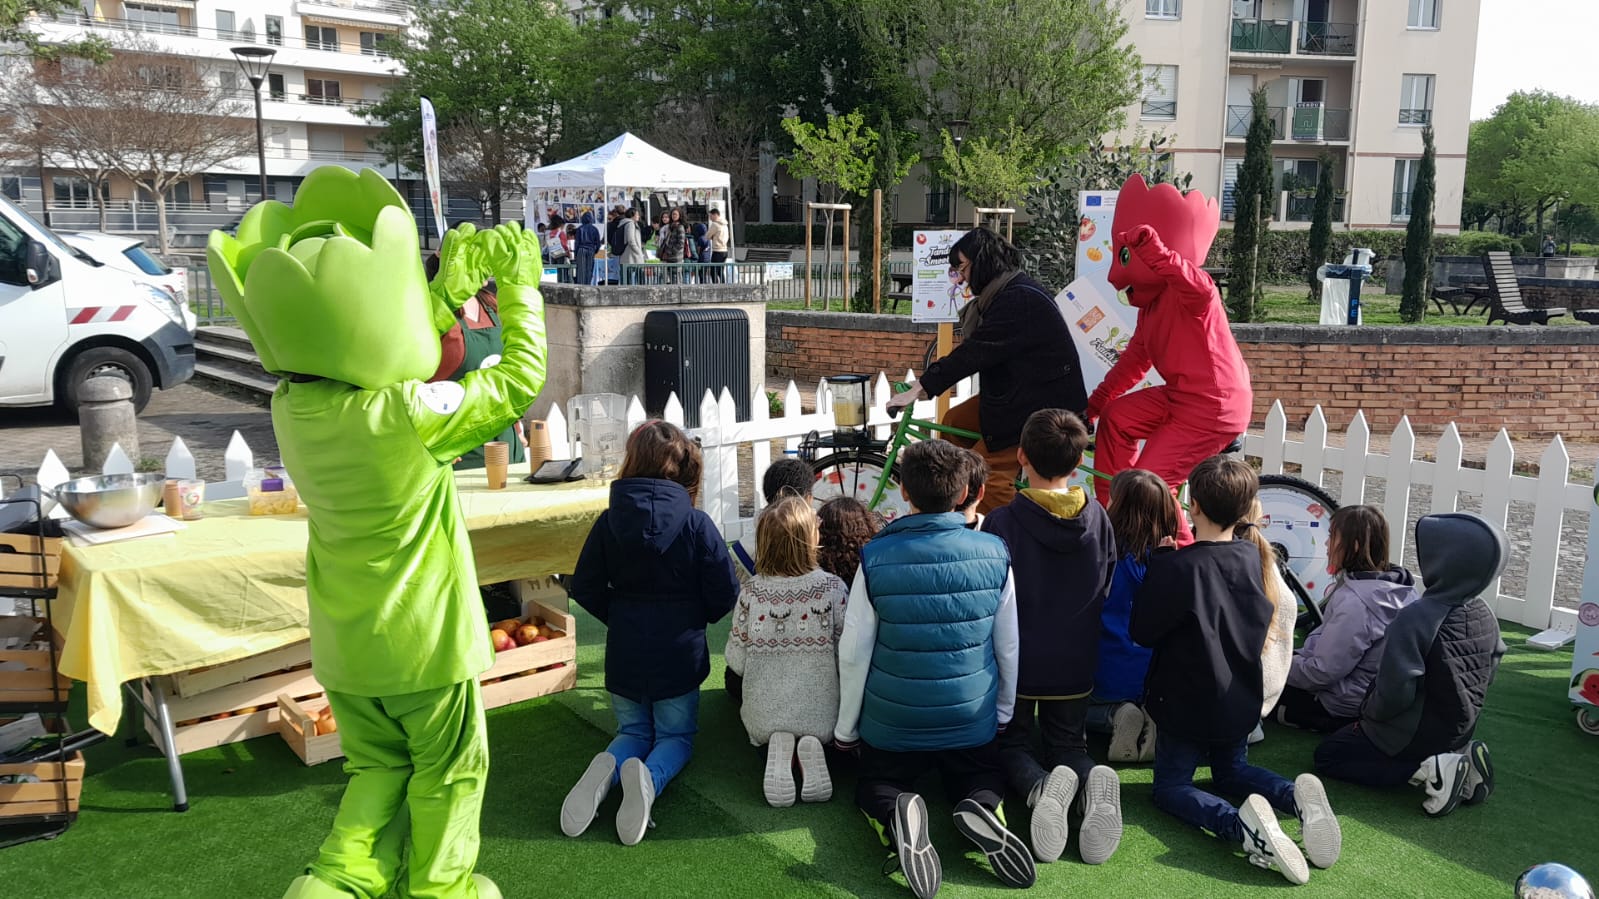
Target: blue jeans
[[1230, 773], [661, 733]]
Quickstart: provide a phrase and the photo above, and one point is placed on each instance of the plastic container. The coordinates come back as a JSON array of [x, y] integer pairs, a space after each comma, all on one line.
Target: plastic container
[[850, 409], [599, 421], [271, 492], [1340, 293]]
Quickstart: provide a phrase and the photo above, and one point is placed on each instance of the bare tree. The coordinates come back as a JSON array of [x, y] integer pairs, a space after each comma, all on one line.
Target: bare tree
[[489, 159], [37, 129], [158, 120], [711, 133]]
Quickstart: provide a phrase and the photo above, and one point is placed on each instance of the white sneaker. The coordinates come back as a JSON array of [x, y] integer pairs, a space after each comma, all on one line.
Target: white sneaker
[[778, 784], [1318, 826], [1446, 779], [1101, 830], [583, 802], [1480, 780], [1049, 828], [1265, 844], [1126, 725], [817, 781], [1146, 740], [1258, 735], [638, 798]]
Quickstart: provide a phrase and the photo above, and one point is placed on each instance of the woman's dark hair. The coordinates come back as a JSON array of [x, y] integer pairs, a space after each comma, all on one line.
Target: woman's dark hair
[[660, 450], [989, 254], [1361, 533], [846, 525], [1142, 511]]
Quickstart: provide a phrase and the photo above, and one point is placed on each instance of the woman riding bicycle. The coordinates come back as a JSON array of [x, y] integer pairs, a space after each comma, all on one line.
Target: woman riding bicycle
[[1016, 341]]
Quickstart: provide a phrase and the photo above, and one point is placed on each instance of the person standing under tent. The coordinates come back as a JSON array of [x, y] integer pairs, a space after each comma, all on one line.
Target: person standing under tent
[[716, 233], [588, 243], [632, 240]]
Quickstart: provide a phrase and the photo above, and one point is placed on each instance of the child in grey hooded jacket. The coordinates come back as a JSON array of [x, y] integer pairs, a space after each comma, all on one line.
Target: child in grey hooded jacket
[[1439, 656]]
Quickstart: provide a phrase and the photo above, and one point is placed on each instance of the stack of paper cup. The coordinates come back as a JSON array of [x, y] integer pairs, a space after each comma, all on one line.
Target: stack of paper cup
[[497, 461], [538, 444]]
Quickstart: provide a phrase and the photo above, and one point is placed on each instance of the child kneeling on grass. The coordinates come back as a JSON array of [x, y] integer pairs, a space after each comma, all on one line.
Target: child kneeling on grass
[[655, 571], [1062, 553], [1332, 672], [927, 672], [1439, 656], [784, 644], [1207, 610]]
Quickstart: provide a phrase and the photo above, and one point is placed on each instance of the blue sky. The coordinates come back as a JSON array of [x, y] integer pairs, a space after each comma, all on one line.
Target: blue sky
[[1530, 44]]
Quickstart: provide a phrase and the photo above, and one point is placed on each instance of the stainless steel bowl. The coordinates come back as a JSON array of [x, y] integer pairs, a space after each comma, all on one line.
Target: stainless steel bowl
[[112, 500]]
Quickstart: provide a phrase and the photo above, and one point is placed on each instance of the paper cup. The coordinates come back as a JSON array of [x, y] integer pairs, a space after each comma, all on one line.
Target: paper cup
[[191, 496], [171, 498], [538, 444], [497, 461]]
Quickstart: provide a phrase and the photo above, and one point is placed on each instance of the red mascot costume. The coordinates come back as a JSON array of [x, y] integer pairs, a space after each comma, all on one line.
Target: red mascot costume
[[1162, 237]]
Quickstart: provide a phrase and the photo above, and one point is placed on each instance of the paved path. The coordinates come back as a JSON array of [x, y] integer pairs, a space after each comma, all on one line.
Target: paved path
[[203, 416]]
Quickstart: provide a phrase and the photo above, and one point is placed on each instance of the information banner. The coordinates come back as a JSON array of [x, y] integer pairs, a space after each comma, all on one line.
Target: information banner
[[1101, 326], [1096, 209], [430, 163], [935, 297], [1585, 655]]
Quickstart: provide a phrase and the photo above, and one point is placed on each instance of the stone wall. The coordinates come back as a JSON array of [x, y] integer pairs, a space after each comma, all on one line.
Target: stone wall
[[1531, 381]]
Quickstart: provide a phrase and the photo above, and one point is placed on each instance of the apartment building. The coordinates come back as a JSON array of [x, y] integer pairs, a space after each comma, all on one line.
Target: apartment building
[[329, 63]]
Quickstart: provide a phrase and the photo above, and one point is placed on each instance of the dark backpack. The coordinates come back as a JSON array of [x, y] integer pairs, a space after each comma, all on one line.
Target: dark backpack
[[613, 236]]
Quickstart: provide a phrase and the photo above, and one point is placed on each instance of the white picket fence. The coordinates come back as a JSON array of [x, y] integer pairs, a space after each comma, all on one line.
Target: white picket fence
[[723, 436]]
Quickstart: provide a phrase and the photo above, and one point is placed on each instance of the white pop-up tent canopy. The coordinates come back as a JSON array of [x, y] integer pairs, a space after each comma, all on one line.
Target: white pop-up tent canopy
[[624, 172]]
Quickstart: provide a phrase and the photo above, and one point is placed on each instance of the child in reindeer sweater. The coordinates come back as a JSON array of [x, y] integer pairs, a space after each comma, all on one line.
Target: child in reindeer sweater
[[784, 643]]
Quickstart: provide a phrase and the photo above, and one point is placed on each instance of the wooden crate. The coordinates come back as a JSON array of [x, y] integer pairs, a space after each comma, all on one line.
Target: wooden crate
[[297, 726], [287, 659], [537, 669], [32, 684], [27, 563], [52, 795], [228, 714]]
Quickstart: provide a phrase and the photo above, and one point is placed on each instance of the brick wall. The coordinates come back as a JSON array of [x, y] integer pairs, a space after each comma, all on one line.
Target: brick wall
[[1542, 293], [1532, 381]]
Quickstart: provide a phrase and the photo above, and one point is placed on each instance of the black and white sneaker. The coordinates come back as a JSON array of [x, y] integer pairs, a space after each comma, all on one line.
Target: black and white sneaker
[[1266, 845], [1446, 779], [1318, 826], [1480, 779], [1006, 852], [1049, 828], [918, 860]]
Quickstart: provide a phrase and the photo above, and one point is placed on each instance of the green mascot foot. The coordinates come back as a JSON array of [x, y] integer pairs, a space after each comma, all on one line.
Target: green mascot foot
[[485, 887], [307, 886]]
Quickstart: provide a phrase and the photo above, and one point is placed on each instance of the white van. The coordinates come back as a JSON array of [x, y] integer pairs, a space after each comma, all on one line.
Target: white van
[[129, 256], [65, 318]]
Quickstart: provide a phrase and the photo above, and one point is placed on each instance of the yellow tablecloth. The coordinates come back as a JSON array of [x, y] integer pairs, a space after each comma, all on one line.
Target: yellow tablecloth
[[232, 585]]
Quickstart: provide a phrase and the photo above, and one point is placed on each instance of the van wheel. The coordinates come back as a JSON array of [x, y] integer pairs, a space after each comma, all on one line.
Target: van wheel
[[106, 361]]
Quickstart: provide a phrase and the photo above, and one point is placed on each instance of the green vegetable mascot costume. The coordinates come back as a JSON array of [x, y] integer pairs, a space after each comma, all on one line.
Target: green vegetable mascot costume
[[333, 295]]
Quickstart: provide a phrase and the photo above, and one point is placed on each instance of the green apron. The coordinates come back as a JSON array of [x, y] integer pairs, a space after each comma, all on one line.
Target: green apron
[[481, 344]]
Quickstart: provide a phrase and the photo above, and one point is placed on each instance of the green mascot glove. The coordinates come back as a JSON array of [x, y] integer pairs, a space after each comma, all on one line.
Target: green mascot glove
[[461, 273]]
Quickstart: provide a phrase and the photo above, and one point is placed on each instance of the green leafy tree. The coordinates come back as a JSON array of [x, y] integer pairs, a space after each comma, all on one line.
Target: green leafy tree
[[1251, 211], [493, 70], [891, 165], [993, 173], [1320, 241], [17, 39], [1051, 201], [1418, 235], [1538, 151], [841, 155]]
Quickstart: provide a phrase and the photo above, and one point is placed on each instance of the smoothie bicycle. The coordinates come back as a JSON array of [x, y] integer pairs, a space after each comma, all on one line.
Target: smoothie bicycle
[[850, 461]]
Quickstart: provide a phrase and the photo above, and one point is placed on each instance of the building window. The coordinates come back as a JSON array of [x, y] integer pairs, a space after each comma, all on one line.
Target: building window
[[322, 90], [275, 85], [1405, 171], [321, 37], [177, 194], [70, 192], [1163, 9], [274, 30], [1160, 93], [151, 18], [228, 80], [1423, 13], [375, 43], [11, 186], [1415, 99], [225, 25]]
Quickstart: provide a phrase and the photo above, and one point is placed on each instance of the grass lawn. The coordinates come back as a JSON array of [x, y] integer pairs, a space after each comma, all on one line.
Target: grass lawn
[[257, 816]]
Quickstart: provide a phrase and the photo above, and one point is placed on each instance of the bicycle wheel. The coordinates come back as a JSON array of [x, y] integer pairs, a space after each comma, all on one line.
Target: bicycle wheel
[[1297, 513], [931, 354], [855, 473]]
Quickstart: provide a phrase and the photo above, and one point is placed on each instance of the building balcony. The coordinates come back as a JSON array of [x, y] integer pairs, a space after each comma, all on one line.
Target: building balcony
[[1287, 37], [379, 12], [1415, 117], [1306, 123], [216, 46], [1298, 207]]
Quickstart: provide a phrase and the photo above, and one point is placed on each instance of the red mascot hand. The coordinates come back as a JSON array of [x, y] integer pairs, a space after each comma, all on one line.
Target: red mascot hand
[[1139, 236]]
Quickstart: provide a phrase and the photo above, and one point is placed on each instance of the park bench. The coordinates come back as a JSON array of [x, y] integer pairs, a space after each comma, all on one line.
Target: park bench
[[1506, 304], [766, 254]]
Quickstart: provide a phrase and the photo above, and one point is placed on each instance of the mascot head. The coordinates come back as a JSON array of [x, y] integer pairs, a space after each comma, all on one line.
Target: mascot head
[[333, 286], [1186, 223]]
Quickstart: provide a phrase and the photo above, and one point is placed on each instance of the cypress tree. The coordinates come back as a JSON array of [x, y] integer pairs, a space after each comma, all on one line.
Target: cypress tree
[[1254, 182], [1418, 235], [1320, 227]]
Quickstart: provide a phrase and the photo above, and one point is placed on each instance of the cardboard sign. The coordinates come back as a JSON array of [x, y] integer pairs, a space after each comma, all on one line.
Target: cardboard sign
[[935, 297], [1096, 209], [1101, 326]]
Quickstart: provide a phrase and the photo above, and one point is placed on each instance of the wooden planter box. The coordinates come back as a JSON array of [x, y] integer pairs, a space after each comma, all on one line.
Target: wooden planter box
[[537, 669], [297, 726], [52, 795], [28, 564], [235, 701], [32, 684]]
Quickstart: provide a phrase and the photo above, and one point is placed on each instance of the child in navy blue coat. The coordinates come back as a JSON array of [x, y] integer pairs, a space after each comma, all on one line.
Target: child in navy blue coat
[[655, 571]]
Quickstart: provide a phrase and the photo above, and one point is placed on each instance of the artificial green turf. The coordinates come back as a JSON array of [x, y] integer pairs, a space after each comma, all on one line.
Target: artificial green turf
[[257, 816]]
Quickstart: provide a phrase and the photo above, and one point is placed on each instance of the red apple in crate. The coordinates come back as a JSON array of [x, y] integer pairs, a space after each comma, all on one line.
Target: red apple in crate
[[526, 634], [540, 639], [502, 640], [509, 625]]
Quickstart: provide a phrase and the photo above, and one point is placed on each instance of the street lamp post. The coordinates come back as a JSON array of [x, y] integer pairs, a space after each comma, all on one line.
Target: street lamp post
[[256, 62], [957, 133]]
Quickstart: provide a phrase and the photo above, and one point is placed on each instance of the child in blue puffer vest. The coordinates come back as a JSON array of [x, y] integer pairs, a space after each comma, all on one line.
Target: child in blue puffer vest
[[927, 672]]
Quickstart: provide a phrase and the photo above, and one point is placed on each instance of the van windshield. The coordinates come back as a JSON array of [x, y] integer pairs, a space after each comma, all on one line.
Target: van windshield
[[18, 213]]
